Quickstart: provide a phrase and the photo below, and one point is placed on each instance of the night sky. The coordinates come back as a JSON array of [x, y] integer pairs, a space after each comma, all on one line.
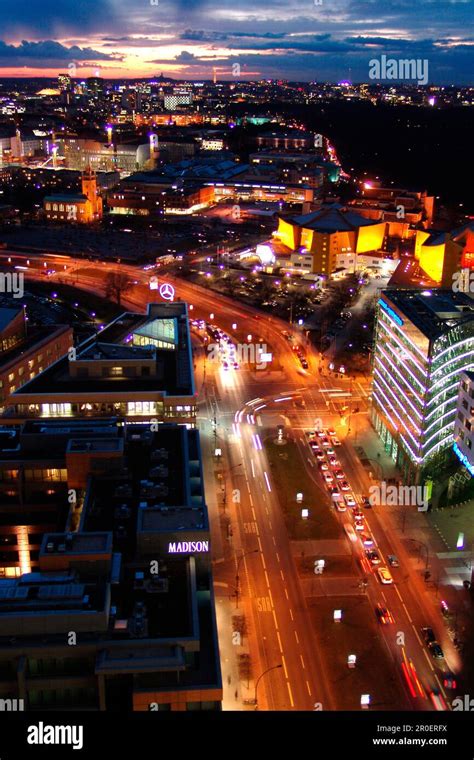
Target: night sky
[[283, 39]]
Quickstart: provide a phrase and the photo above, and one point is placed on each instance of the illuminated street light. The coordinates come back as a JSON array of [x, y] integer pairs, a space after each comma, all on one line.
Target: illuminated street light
[[234, 325], [460, 541], [249, 337], [351, 661], [305, 513], [299, 497], [365, 701], [337, 616]]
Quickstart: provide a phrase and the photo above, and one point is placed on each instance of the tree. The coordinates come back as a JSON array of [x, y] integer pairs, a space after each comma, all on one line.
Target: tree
[[116, 284]]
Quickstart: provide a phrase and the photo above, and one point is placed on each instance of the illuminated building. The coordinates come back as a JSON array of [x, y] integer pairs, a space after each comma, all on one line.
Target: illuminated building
[[151, 200], [423, 341], [441, 254], [106, 593], [84, 208], [328, 233], [126, 157], [64, 83], [464, 422], [24, 354], [394, 204], [137, 369], [290, 140]]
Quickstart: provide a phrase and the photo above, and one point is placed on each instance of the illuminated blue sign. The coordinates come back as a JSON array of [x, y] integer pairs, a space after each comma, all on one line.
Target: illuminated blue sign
[[463, 458], [390, 312]]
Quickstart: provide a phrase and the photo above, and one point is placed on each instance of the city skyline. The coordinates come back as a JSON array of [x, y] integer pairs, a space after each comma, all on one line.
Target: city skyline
[[300, 41]]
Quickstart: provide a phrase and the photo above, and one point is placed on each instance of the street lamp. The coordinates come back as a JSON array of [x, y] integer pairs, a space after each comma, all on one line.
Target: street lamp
[[427, 549], [274, 667], [237, 579]]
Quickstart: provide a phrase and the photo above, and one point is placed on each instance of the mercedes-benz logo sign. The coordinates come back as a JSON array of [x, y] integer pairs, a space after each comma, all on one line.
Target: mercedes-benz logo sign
[[167, 291]]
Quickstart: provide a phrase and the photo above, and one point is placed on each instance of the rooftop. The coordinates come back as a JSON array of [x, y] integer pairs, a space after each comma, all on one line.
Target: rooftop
[[172, 373], [332, 219], [433, 312]]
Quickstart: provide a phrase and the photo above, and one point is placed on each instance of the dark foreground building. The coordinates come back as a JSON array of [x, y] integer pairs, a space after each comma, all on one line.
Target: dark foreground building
[[106, 599]]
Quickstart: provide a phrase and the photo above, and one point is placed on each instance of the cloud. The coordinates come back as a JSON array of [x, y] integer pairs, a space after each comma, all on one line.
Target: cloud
[[51, 50]]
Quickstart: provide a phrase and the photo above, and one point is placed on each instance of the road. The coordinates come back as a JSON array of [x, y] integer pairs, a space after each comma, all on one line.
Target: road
[[240, 401]]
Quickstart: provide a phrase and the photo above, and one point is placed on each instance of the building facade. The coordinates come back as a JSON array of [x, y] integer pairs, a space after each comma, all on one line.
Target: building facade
[[24, 355], [423, 341], [464, 422], [138, 369], [106, 598]]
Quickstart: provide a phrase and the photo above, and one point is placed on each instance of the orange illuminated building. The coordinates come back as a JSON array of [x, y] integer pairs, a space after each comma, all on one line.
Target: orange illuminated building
[[329, 232], [441, 254], [84, 208]]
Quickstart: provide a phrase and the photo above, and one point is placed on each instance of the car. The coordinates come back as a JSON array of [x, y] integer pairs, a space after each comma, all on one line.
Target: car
[[345, 486], [436, 651], [334, 491], [323, 466], [449, 681], [366, 502], [310, 433], [392, 560], [330, 452], [304, 363], [438, 700], [335, 441], [350, 532], [325, 442], [383, 614], [314, 445], [331, 432], [359, 525], [320, 433], [384, 576], [340, 506], [373, 556], [339, 475], [349, 499], [319, 455], [357, 512], [334, 462], [225, 365], [366, 539], [328, 477], [235, 365], [428, 635]]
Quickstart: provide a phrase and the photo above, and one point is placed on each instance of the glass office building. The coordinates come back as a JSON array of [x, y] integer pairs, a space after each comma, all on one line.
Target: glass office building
[[423, 340]]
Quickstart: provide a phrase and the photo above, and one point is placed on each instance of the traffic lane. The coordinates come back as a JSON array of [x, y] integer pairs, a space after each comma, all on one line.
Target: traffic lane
[[408, 589], [273, 551], [376, 591], [289, 587]]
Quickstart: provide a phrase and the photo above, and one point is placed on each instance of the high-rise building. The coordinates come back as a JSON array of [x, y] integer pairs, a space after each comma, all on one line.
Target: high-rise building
[[106, 595], [423, 341], [464, 423], [64, 82]]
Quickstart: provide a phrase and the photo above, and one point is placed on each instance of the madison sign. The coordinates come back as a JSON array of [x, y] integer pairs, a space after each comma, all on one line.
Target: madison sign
[[186, 547]]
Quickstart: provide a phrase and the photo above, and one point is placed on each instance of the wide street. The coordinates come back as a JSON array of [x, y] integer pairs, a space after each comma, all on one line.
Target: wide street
[[239, 411]]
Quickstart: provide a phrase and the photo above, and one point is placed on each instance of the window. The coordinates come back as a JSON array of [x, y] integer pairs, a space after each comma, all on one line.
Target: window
[[116, 371], [21, 371], [11, 377]]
